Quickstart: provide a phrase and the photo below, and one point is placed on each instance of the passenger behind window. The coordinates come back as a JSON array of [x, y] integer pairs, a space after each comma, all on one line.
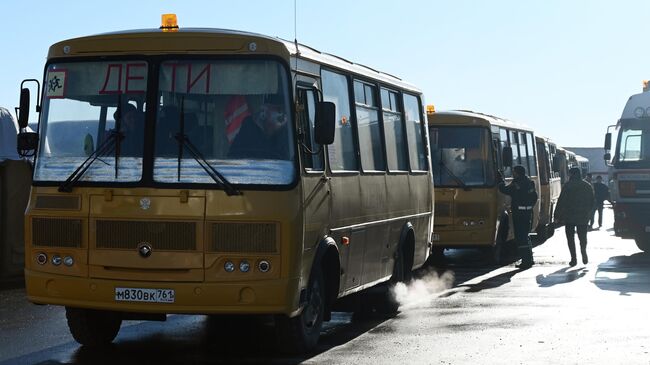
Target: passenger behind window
[[263, 135]]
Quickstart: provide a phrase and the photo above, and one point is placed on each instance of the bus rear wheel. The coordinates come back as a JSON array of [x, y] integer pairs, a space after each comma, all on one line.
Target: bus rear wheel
[[380, 301], [300, 334], [93, 327]]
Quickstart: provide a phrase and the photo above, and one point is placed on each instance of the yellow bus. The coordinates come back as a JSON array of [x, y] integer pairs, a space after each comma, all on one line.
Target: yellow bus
[[467, 150], [203, 171], [550, 186]]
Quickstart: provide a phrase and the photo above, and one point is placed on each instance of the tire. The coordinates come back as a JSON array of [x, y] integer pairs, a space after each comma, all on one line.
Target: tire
[[379, 301], [643, 243], [299, 334], [93, 328]]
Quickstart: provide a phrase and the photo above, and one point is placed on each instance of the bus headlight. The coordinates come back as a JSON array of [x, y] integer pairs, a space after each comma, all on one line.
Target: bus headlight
[[56, 260], [264, 266], [68, 261], [229, 266], [244, 266], [41, 258]]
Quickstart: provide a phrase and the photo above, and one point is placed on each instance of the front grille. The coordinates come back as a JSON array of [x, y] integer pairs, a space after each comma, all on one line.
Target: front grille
[[160, 235], [57, 202], [244, 237], [472, 210], [53, 232], [443, 209]]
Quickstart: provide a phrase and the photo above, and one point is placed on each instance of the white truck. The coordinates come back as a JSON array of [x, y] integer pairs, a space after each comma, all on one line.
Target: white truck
[[629, 172]]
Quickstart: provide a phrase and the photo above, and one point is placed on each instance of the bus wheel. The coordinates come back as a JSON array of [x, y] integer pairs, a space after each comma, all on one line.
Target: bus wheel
[[300, 334], [643, 243], [380, 301], [93, 327]]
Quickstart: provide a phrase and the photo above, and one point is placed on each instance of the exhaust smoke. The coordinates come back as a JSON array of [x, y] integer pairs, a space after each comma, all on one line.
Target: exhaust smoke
[[418, 293]]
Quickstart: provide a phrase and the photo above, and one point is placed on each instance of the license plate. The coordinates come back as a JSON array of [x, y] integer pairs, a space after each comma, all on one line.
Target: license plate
[[144, 295], [435, 237]]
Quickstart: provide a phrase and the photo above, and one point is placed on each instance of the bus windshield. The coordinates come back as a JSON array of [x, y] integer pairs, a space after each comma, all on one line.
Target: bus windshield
[[634, 142], [460, 156], [230, 116]]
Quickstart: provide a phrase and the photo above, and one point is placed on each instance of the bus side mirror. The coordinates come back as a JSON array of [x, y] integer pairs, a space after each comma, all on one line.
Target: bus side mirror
[[23, 117], [607, 157], [608, 141], [26, 142], [506, 156], [325, 123]]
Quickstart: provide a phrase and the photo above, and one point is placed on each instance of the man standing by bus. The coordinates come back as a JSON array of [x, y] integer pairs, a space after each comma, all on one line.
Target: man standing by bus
[[574, 208], [601, 193], [523, 197]]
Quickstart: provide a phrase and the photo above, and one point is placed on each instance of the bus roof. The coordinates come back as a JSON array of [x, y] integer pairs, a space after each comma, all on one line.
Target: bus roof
[[484, 119], [203, 41]]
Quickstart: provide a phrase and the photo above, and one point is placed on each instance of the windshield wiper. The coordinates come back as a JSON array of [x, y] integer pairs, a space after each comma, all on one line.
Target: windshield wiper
[[453, 176], [184, 141], [105, 147]]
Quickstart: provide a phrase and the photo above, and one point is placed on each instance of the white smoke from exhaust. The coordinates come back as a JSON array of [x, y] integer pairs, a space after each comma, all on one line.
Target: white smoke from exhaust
[[420, 292]]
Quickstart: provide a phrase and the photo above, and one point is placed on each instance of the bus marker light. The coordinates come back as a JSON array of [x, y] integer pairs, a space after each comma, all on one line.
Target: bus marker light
[[41, 258], [229, 266], [169, 23], [244, 266], [56, 260], [345, 240], [264, 266], [68, 261]]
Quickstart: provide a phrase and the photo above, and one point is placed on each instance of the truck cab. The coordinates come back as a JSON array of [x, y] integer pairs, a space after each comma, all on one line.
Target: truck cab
[[629, 170]]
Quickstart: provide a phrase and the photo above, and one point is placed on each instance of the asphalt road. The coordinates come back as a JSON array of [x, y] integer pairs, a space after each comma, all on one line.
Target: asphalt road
[[458, 312]]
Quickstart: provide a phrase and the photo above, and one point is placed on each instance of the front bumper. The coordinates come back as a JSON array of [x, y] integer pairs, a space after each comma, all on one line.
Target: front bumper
[[258, 297]]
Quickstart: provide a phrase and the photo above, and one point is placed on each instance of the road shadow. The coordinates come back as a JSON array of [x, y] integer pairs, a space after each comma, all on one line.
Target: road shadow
[[625, 274], [563, 276], [491, 282], [199, 340]]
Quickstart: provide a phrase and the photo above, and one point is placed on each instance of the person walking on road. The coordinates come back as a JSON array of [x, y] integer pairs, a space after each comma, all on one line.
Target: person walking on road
[[523, 197], [601, 193], [573, 209]]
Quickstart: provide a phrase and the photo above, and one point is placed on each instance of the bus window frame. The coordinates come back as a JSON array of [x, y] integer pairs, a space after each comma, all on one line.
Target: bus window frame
[[380, 121], [402, 115], [355, 138], [302, 85], [424, 132]]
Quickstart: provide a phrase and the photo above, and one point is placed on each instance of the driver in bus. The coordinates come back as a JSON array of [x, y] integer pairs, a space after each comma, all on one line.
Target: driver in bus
[[263, 135], [131, 127]]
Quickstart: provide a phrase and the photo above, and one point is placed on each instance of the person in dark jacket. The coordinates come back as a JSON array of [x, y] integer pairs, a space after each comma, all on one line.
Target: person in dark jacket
[[601, 193], [523, 197], [262, 136], [574, 210]]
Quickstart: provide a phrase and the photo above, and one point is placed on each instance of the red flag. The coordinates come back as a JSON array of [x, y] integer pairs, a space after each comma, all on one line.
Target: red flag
[[235, 114]]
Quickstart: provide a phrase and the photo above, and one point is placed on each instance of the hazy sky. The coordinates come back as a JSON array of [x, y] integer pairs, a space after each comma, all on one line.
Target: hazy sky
[[564, 67]]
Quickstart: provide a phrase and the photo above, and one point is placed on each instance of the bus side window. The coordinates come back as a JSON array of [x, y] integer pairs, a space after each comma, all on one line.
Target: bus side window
[[503, 134], [306, 118], [342, 154]]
